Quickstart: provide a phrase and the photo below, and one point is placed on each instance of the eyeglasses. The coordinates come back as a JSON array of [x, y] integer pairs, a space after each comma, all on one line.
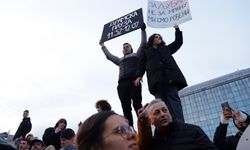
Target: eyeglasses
[[123, 131]]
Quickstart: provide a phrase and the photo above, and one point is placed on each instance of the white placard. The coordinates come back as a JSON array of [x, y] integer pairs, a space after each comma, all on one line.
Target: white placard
[[163, 14]]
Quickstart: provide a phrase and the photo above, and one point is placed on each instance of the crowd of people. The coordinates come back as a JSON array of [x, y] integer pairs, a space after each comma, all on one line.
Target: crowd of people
[[107, 130]]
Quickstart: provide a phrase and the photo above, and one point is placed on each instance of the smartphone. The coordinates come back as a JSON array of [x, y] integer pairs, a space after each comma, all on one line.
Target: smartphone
[[226, 107]]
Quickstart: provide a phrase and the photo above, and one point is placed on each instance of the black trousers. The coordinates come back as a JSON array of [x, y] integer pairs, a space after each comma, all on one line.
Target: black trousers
[[127, 93], [169, 94]]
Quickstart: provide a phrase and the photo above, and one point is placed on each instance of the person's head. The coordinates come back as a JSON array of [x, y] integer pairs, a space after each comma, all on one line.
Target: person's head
[[155, 40], [127, 49], [29, 136], [159, 114], [37, 144], [67, 137], [61, 123], [241, 125], [102, 105], [25, 113], [106, 130], [24, 144]]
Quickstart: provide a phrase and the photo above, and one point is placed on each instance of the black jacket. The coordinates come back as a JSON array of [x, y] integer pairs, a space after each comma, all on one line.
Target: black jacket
[[24, 128], [182, 136], [161, 66], [52, 138], [223, 142]]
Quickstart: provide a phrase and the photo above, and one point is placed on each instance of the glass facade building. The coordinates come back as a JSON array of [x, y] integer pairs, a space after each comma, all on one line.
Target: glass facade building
[[202, 102]]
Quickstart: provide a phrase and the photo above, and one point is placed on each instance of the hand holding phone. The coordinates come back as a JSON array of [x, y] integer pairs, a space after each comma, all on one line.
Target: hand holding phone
[[227, 110]]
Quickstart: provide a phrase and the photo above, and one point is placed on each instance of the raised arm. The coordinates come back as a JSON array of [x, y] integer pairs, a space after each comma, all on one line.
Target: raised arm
[[143, 39], [174, 46], [109, 56]]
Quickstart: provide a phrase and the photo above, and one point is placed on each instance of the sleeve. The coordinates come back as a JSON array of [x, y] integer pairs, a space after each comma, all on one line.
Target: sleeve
[[49, 136], [111, 57], [144, 137], [202, 140], [220, 136], [142, 64], [143, 42], [174, 46]]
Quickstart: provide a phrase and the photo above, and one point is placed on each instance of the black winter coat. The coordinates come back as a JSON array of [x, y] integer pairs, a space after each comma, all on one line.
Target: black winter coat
[[52, 138], [223, 142], [182, 136], [24, 128], [161, 66]]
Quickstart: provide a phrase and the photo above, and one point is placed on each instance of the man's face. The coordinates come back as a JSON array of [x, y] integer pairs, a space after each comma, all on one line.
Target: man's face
[[23, 145], [126, 49], [61, 125], [25, 114], [67, 142], [159, 115], [37, 146]]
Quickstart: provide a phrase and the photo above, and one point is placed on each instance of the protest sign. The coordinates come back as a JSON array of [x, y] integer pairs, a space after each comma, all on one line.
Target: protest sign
[[163, 14], [122, 25]]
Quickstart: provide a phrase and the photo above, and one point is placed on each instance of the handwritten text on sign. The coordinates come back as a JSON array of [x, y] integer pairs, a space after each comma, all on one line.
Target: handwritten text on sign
[[122, 25], [162, 14]]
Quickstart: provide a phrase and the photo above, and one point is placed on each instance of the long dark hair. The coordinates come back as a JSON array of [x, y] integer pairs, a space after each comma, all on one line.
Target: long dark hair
[[151, 40], [89, 135]]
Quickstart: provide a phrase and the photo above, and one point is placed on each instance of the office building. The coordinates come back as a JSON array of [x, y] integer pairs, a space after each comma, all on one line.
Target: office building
[[202, 102]]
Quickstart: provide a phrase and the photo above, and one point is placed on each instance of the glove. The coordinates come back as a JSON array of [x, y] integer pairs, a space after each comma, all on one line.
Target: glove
[[143, 27]]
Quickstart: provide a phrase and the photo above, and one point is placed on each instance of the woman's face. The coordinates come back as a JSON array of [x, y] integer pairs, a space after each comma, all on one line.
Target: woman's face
[[118, 135]]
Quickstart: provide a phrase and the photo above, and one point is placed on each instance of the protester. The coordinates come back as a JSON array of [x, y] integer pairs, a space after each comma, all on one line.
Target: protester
[[169, 134], [51, 135], [102, 105], [164, 77], [29, 137], [67, 139], [24, 144], [24, 127], [106, 130], [128, 64], [37, 144], [241, 121]]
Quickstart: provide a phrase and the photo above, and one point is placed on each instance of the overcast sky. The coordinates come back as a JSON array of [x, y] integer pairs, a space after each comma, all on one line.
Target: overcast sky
[[51, 62]]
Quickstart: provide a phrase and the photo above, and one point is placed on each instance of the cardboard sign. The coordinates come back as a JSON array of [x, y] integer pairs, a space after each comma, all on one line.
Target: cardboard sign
[[122, 25], [163, 14]]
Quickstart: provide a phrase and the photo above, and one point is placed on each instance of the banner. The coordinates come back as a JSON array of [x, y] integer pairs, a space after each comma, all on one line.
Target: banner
[[122, 25], [163, 14]]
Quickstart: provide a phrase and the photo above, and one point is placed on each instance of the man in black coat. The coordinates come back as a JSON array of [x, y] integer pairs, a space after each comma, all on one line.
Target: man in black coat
[[24, 127], [241, 121], [164, 77], [51, 135], [169, 134]]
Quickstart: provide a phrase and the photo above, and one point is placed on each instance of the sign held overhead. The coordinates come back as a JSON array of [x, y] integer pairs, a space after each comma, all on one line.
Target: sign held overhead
[[122, 25]]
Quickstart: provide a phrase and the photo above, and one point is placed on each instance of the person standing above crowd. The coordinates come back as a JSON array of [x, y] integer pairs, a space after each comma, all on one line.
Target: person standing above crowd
[[102, 105], [51, 135], [241, 121], [24, 128], [128, 65], [164, 76]]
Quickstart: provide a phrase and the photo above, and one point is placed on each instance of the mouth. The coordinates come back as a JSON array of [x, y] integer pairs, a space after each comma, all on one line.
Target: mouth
[[133, 146]]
